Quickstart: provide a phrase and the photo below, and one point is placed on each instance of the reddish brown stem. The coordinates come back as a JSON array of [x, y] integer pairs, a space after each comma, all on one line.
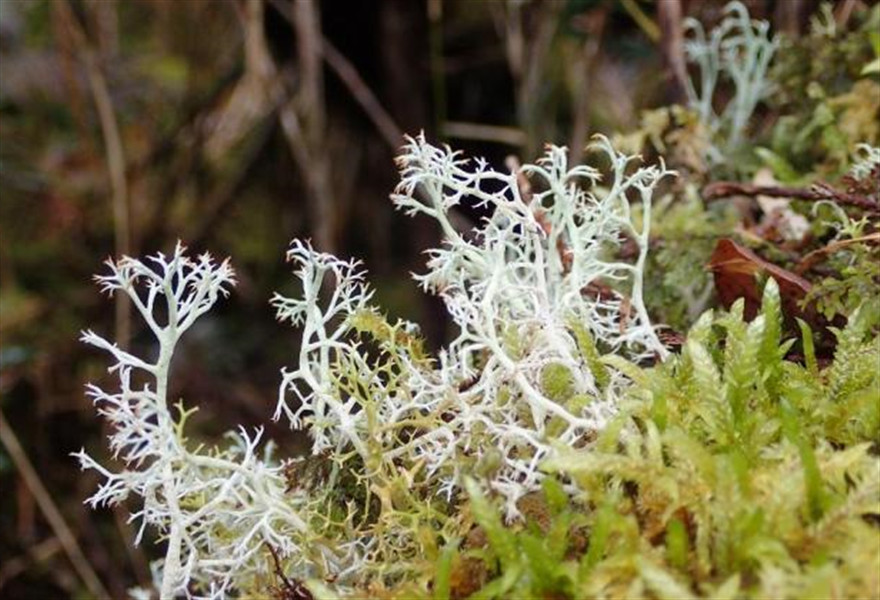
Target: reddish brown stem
[[724, 189]]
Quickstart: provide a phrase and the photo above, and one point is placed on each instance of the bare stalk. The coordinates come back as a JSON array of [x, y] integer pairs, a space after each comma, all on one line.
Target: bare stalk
[[114, 155], [669, 17], [351, 79], [50, 511]]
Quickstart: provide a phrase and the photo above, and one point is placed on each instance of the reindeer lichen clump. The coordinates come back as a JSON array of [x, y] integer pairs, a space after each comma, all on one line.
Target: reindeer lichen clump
[[537, 294], [739, 49], [214, 508]]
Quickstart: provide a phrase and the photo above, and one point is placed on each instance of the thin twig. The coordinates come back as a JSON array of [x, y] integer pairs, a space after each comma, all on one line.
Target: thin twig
[[311, 120], [115, 157], [843, 12], [312, 114], [221, 197], [485, 133], [38, 553], [669, 15], [349, 76], [117, 169], [817, 256], [529, 94], [522, 181], [787, 17], [307, 23], [581, 74], [725, 189], [50, 511], [352, 80], [436, 63], [645, 23], [290, 589], [135, 554]]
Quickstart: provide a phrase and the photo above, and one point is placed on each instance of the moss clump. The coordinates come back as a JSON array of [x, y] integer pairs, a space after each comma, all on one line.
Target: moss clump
[[732, 473], [557, 382], [590, 354]]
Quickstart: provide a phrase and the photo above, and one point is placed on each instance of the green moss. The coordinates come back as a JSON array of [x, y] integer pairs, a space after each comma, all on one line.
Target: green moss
[[590, 353], [757, 480], [557, 382]]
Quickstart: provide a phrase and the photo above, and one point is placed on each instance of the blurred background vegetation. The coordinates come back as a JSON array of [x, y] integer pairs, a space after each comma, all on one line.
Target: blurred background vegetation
[[236, 125]]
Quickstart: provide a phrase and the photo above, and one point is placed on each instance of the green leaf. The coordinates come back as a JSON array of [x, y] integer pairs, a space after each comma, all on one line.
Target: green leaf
[[768, 354], [538, 561], [702, 329], [729, 590], [791, 427], [501, 540], [705, 371], [690, 451], [659, 410], [871, 68], [590, 353], [661, 583], [741, 368], [632, 371], [557, 382], [782, 169], [676, 544], [497, 588], [609, 437], [557, 499], [598, 537], [321, 591], [443, 573], [809, 347], [556, 541]]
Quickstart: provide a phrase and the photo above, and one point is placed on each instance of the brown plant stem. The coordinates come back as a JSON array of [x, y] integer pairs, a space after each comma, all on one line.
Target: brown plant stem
[[581, 73], [292, 122], [510, 136], [37, 554], [115, 157], [819, 255], [645, 22], [437, 58], [362, 94], [670, 17], [725, 189], [50, 511], [352, 80], [309, 99]]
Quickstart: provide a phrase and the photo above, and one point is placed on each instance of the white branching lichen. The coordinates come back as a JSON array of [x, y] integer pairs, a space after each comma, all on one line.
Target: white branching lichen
[[866, 159], [214, 508], [739, 49], [538, 293]]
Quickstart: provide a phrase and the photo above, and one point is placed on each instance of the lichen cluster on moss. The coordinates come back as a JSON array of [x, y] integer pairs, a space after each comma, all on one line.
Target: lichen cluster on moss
[[731, 473]]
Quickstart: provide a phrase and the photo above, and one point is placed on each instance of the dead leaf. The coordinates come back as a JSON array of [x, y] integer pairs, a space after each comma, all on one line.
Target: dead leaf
[[736, 270]]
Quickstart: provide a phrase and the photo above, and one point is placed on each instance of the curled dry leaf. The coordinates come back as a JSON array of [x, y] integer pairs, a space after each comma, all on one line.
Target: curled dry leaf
[[736, 270]]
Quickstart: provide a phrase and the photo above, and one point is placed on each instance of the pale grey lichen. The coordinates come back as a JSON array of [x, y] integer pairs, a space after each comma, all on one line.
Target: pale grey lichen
[[523, 377], [739, 49]]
